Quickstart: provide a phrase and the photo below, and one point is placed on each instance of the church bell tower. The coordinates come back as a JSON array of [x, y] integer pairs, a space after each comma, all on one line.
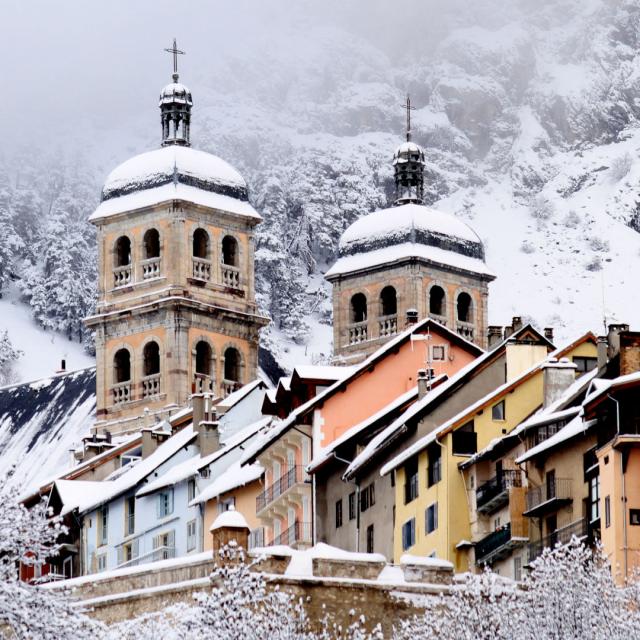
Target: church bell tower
[[176, 308]]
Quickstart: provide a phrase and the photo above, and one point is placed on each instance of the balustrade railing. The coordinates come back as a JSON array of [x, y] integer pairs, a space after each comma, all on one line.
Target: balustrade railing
[[358, 332], [201, 269], [230, 276], [290, 477], [297, 532], [202, 383], [229, 386], [388, 325], [439, 319], [150, 268], [465, 329], [151, 386], [122, 276], [121, 392]]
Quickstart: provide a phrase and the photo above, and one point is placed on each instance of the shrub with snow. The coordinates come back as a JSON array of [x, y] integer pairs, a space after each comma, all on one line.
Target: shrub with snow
[[621, 166]]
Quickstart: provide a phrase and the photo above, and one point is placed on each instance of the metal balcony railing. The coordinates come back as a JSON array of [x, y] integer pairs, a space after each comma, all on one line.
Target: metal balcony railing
[[548, 497], [563, 535], [292, 476], [297, 532], [491, 543], [495, 492]]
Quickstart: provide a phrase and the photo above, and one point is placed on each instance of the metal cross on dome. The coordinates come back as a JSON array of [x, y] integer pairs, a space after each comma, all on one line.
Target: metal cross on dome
[[175, 51], [409, 108]]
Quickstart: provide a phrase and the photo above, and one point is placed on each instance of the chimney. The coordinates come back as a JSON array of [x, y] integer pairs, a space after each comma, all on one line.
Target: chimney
[[629, 352], [508, 330], [557, 377], [412, 317], [516, 323], [494, 335], [548, 333], [208, 438], [423, 383], [149, 443], [63, 366], [602, 347], [613, 338]]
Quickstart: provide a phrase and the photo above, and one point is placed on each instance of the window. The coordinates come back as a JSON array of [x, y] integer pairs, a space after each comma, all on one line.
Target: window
[[102, 562], [465, 308], [230, 251], [338, 513], [411, 481], [352, 505], [584, 364], [497, 411], [393, 478], [122, 366], [103, 525], [437, 301], [408, 534], [464, 440], [431, 518], [122, 253], [200, 244], [130, 515], [232, 365], [191, 535], [370, 539], [191, 489], [517, 568], [165, 503], [607, 511], [203, 358], [164, 546], [434, 470], [438, 352], [594, 498], [634, 517], [388, 302], [372, 494], [551, 484], [151, 242], [364, 499], [358, 308], [151, 357], [225, 505]]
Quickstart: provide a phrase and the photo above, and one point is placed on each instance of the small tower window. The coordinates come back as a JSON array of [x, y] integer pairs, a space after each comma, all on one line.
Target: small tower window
[[123, 251], [388, 302], [203, 358], [232, 365], [122, 366], [465, 308], [230, 251], [151, 356], [201, 244], [358, 308], [151, 243], [437, 301]]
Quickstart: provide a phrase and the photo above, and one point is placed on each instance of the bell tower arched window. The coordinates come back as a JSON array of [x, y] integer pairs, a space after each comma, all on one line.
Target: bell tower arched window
[[203, 358], [151, 243], [232, 371], [122, 254], [358, 308], [437, 301], [201, 244], [121, 376], [388, 302], [465, 307], [230, 251], [151, 358]]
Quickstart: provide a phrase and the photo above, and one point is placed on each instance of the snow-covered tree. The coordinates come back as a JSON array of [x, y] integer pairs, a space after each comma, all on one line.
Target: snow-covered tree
[[8, 355], [29, 537]]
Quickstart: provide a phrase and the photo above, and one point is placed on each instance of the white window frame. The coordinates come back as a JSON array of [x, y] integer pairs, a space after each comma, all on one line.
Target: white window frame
[[192, 535]]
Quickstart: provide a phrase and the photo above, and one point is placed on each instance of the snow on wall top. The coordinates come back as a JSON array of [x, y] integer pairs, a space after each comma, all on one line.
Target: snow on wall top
[[175, 164], [41, 422]]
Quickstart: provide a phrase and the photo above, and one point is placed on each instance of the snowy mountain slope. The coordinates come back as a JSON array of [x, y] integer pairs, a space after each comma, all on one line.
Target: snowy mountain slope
[[528, 113]]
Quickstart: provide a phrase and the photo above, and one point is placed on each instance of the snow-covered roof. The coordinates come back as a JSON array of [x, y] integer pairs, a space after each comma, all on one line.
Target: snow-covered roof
[[425, 561], [230, 518], [175, 92], [410, 231], [601, 387], [234, 477], [233, 398], [322, 372], [42, 421]]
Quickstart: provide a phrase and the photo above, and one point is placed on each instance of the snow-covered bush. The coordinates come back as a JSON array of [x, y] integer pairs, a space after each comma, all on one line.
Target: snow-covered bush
[[599, 244], [621, 166], [593, 264], [571, 220], [527, 247], [8, 355], [541, 208]]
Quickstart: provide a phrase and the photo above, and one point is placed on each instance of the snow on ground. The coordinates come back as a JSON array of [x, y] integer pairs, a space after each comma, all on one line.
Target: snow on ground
[[43, 350]]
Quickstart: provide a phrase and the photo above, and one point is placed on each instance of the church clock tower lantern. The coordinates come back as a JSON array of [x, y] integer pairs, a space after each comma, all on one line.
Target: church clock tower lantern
[[176, 308], [406, 262]]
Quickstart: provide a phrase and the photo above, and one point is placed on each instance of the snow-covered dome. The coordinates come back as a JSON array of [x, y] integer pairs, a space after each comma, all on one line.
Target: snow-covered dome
[[175, 92], [408, 151], [409, 231], [178, 165], [231, 519]]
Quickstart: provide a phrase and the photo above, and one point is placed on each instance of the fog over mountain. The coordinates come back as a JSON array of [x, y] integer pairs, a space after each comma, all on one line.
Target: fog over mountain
[[528, 113]]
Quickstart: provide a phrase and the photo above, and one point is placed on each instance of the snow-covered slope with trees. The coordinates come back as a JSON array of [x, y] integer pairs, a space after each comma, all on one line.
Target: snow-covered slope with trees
[[528, 113]]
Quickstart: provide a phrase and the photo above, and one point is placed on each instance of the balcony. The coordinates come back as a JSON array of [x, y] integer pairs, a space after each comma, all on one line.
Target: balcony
[[151, 386], [559, 536], [150, 268], [497, 545], [548, 498], [230, 276], [291, 477], [229, 386], [297, 533], [439, 319], [494, 494], [122, 276], [388, 326], [358, 332], [202, 383], [201, 269], [465, 329], [121, 392]]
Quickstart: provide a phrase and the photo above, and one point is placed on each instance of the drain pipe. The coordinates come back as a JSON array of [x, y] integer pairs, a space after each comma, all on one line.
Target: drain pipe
[[624, 491]]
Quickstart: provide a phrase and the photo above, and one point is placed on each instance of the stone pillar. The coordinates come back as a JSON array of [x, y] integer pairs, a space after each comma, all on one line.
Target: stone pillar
[[229, 528]]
